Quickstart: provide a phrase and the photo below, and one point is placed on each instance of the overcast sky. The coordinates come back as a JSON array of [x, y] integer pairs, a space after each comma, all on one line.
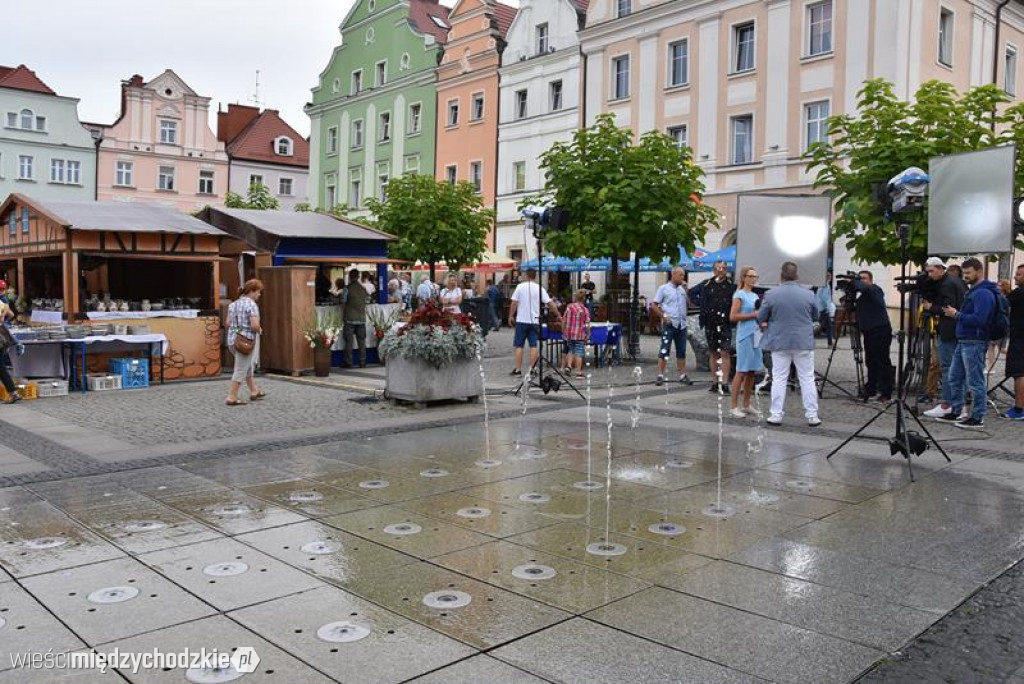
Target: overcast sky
[[85, 49]]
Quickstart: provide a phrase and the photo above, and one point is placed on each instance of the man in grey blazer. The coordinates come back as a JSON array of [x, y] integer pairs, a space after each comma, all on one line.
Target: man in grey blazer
[[787, 318]]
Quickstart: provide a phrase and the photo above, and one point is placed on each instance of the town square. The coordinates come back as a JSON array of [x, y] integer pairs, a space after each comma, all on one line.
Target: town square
[[381, 341]]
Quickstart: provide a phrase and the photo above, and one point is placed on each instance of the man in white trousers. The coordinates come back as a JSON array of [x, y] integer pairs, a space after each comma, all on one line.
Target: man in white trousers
[[787, 317]]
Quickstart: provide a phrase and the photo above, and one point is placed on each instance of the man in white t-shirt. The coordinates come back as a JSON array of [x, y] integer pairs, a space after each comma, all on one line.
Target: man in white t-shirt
[[524, 315]]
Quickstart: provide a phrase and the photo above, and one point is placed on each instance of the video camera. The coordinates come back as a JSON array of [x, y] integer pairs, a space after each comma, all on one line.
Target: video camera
[[545, 220], [919, 284], [845, 281]]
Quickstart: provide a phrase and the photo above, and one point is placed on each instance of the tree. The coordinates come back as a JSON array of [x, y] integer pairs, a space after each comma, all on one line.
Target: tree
[[433, 220], [886, 136], [259, 197]]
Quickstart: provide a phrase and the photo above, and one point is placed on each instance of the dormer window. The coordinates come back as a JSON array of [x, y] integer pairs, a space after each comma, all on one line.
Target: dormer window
[[283, 146]]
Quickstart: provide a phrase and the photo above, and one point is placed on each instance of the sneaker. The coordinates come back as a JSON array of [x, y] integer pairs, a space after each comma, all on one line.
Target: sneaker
[[753, 412], [738, 413], [885, 399], [13, 399], [516, 371], [970, 424], [774, 420], [1014, 414], [725, 390], [685, 379], [659, 381], [813, 421], [937, 412], [713, 387], [963, 414], [949, 417]]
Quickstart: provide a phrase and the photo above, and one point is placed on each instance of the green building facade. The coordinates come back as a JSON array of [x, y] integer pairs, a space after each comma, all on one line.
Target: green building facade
[[374, 111]]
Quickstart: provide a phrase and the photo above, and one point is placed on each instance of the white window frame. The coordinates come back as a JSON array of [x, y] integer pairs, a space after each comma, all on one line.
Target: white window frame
[[476, 175], [169, 127], [1010, 55], [357, 134], [623, 8], [383, 178], [74, 172], [40, 124], [519, 172], [822, 124], [477, 99], [12, 119], [809, 23], [616, 60], [452, 106], [734, 64], [124, 171], [331, 191], [287, 144], [355, 195], [945, 12], [415, 118], [680, 141], [165, 181], [57, 170], [733, 147], [26, 162], [291, 186], [451, 173], [254, 179], [380, 76], [521, 103], [542, 38], [384, 127], [671, 71], [556, 95], [356, 82], [332, 140], [412, 163], [208, 178], [30, 117]]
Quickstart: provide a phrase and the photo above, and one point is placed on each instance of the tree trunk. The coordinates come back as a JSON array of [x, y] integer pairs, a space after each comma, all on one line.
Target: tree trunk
[[433, 279], [634, 310]]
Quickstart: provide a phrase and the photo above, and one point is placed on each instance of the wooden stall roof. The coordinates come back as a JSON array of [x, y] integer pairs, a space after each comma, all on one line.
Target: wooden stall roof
[[127, 217], [265, 229]]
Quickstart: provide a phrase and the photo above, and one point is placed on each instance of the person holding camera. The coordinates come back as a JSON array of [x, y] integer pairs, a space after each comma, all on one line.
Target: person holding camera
[[1015, 350], [875, 328], [944, 289]]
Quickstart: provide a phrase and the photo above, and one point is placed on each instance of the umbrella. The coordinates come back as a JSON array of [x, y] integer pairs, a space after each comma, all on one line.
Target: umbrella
[[488, 262], [707, 262]]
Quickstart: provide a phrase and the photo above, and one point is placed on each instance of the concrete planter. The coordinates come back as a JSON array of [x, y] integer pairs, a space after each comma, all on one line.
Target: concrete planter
[[419, 382]]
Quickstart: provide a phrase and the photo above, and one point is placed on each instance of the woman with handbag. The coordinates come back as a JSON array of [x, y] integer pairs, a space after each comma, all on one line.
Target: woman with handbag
[[244, 341]]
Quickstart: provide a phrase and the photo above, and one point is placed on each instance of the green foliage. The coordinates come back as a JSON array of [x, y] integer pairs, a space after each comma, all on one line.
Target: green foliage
[[433, 221], [259, 197], [434, 336], [888, 135], [303, 207], [624, 197]]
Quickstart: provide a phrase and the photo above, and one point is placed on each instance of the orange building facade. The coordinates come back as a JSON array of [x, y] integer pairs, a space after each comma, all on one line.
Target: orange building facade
[[467, 96]]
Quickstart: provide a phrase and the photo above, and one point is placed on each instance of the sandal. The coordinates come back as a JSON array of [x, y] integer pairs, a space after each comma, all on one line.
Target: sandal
[[579, 376], [236, 402], [259, 395]]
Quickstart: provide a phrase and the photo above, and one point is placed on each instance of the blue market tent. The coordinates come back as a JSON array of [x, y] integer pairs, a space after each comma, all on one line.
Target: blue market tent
[[707, 262]]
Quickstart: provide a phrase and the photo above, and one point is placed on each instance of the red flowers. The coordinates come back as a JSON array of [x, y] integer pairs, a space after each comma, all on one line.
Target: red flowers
[[431, 315]]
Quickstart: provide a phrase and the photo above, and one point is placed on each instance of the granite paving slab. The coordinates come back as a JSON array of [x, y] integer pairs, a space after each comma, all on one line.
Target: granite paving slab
[[744, 500], [407, 531], [27, 627], [163, 482], [656, 469], [232, 511], [312, 499], [144, 526], [36, 538], [811, 486], [43, 676], [386, 488], [239, 472], [480, 668], [84, 493], [862, 465], [479, 515]]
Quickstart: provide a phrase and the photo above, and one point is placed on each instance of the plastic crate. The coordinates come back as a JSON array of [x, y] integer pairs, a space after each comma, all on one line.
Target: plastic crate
[[134, 372], [51, 387], [103, 383], [28, 389]]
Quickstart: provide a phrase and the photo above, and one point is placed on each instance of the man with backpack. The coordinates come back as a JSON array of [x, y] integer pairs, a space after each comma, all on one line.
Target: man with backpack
[[983, 316]]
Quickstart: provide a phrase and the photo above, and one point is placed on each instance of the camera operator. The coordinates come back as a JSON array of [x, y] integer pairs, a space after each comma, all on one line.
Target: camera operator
[[873, 320], [946, 290]]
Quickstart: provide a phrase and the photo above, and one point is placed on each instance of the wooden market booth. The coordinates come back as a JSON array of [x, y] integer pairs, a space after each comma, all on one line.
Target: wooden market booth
[[291, 252], [159, 266]]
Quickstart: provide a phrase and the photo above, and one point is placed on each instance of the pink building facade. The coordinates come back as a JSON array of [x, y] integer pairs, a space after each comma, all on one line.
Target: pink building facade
[[162, 148]]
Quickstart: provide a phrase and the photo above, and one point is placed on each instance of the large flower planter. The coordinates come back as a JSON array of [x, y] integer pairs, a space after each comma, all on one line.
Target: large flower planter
[[419, 382], [321, 362]]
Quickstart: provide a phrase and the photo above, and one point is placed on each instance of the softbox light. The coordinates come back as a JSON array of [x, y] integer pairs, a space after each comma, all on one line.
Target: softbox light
[[970, 202], [772, 229]]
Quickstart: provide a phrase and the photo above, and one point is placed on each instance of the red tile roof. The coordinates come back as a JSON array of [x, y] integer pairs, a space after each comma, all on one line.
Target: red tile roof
[[234, 121], [23, 78], [504, 14], [422, 14], [256, 141]]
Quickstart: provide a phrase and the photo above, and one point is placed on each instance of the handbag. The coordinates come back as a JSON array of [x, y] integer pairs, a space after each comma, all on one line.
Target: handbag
[[244, 345]]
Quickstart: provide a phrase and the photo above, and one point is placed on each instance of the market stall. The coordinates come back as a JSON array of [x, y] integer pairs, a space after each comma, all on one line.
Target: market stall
[[130, 272]]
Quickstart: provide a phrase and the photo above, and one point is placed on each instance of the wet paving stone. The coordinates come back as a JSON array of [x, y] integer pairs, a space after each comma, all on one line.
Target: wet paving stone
[[232, 511], [224, 635], [306, 465], [743, 499], [481, 668], [42, 676], [327, 552], [115, 599], [656, 469], [386, 488], [164, 482], [479, 515], [86, 493], [37, 538], [228, 574], [13, 497], [26, 627], [145, 526], [239, 472], [493, 616], [863, 466], [557, 581], [811, 486], [312, 499], [407, 531], [350, 639], [578, 443]]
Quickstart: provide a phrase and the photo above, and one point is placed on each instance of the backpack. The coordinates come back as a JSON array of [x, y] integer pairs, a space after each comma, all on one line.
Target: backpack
[[1000, 318]]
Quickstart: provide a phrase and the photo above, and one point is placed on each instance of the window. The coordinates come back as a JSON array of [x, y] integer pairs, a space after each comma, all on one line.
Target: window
[[206, 182], [165, 178], [679, 135], [742, 139], [332, 140], [383, 175], [40, 123], [412, 164], [453, 112], [355, 188], [555, 95], [74, 172], [415, 118], [478, 107], [357, 81], [56, 170], [519, 174], [542, 39], [819, 25], [743, 47], [679, 63], [12, 119], [620, 73], [451, 174], [283, 147], [623, 8], [25, 163], [169, 132], [521, 104], [27, 119], [255, 179], [946, 37], [12, 221], [24, 220], [357, 134], [125, 174], [384, 127], [476, 175], [1010, 70], [380, 74], [284, 187], [816, 127], [331, 195]]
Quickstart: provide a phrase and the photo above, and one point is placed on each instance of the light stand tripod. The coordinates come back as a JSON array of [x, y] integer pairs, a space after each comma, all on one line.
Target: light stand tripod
[[548, 384], [853, 330], [905, 442]]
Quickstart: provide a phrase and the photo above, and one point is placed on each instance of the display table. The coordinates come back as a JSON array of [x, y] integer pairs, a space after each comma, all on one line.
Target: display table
[[605, 338], [42, 359], [125, 315], [60, 358], [48, 317]]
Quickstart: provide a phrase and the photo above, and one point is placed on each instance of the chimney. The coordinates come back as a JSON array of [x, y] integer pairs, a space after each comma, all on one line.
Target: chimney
[[231, 122]]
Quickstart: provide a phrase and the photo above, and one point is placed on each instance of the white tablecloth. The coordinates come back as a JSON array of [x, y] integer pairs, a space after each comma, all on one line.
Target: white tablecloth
[[114, 342], [44, 359], [122, 315], [48, 317]]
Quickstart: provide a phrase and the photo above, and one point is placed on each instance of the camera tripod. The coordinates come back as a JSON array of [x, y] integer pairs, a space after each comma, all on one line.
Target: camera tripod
[[853, 331], [919, 360], [904, 442]]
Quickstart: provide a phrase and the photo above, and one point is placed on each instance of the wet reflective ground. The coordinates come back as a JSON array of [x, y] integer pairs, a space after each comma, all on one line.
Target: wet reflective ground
[[421, 555]]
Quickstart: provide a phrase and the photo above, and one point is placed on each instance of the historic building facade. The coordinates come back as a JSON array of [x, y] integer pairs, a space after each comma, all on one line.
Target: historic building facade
[[374, 111], [45, 152], [161, 148]]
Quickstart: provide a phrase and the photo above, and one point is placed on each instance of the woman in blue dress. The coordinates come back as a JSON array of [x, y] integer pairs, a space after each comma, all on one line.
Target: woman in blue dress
[[748, 355]]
